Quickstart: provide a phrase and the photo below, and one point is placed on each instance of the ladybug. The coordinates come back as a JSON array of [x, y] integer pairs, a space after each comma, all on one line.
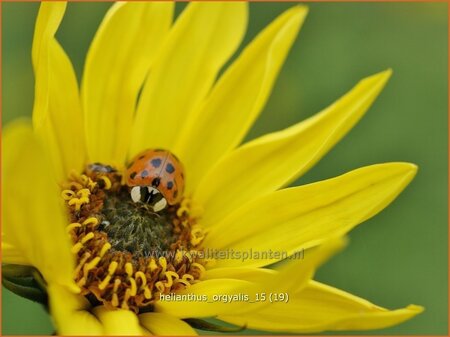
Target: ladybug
[[156, 177], [97, 171], [100, 168]]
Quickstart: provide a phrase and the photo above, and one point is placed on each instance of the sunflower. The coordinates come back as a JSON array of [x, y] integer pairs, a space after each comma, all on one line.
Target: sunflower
[[151, 93]]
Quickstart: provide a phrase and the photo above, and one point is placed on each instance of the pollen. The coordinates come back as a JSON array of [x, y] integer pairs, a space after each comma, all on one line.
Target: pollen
[[127, 255]]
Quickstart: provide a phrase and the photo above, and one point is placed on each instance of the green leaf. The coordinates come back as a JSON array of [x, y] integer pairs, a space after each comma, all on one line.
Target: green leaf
[[208, 326]]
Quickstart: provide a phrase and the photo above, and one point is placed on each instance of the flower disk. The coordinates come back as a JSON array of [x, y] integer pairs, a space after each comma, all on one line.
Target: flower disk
[[128, 255]]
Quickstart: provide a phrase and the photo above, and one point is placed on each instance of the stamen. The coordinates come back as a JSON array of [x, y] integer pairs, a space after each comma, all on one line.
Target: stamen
[[133, 286], [140, 275], [82, 261], [115, 300], [182, 211], [188, 277], [152, 265], [200, 267], [160, 286], [129, 269], [105, 248], [178, 257], [81, 282], [189, 256], [91, 265], [89, 236], [78, 202], [86, 181], [67, 194], [84, 193], [105, 282], [183, 282], [90, 221], [147, 293], [125, 299], [117, 283], [107, 182], [170, 275], [163, 264], [197, 235], [77, 247], [112, 267], [72, 226]]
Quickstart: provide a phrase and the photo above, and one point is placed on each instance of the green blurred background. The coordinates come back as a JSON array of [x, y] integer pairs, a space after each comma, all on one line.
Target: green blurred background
[[400, 256]]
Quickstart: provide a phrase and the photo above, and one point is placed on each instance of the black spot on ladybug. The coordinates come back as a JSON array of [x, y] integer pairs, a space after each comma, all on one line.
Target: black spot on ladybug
[[169, 185], [156, 162], [170, 168], [144, 174], [133, 174], [175, 194], [156, 181]]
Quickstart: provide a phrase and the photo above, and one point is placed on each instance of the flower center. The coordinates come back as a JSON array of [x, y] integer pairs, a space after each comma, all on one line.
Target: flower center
[[133, 227], [128, 255]]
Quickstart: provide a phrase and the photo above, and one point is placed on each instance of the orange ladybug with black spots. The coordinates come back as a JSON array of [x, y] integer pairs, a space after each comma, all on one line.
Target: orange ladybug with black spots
[[156, 177]]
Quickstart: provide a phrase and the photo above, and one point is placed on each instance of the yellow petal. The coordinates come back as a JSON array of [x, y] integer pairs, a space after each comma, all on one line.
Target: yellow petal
[[117, 62], [70, 313], [238, 97], [11, 254], [202, 40], [160, 324], [267, 163], [118, 322], [319, 308], [49, 18], [244, 281], [251, 274], [294, 274], [27, 184], [57, 116], [203, 301], [302, 217]]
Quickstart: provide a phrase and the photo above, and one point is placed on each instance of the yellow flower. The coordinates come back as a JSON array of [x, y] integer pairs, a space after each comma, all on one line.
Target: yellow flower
[[150, 84]]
